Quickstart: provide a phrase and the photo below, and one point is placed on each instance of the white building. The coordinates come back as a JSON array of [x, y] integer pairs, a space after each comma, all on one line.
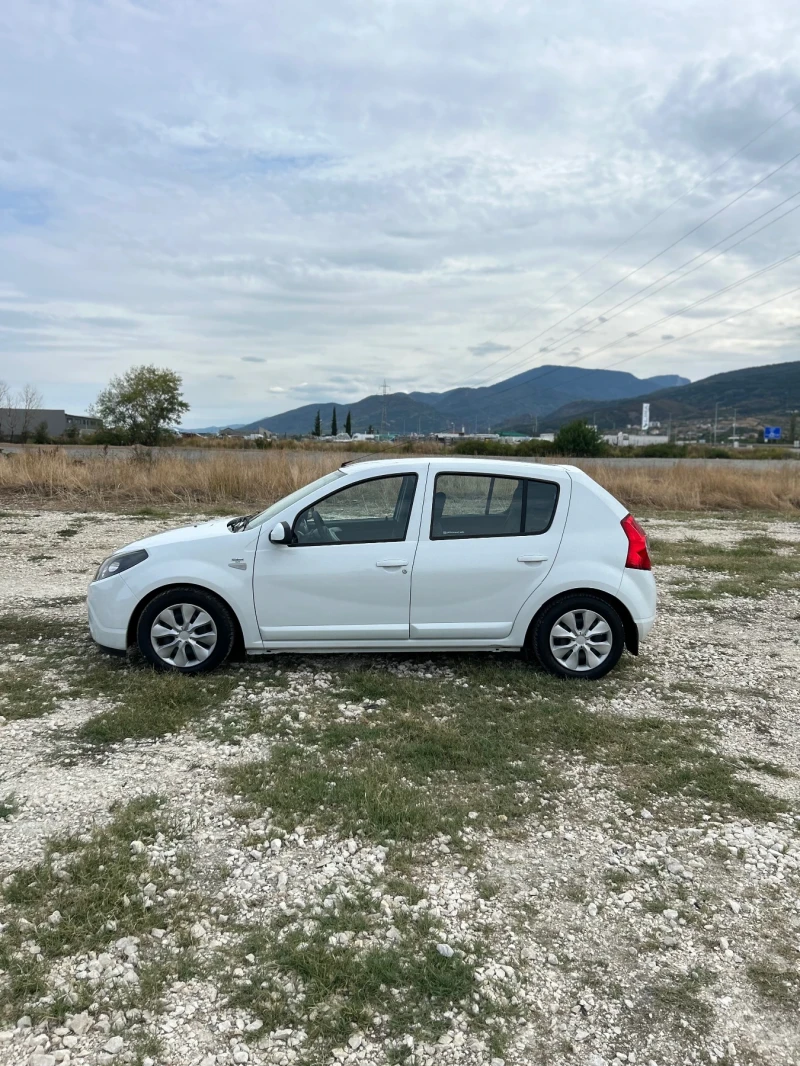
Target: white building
[[634, 440]]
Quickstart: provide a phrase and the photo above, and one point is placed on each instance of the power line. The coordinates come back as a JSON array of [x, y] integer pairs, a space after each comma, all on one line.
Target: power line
[[702, 329], [704, 299], [647, 262], [654, 218], [688, 307], [607, 316]]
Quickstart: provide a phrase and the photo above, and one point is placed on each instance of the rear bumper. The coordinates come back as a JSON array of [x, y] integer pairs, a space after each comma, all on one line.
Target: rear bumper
[[110, 604], [637, 591]]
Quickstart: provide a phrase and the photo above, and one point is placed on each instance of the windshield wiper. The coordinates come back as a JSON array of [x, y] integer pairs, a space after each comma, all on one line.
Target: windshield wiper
[[236, 525]]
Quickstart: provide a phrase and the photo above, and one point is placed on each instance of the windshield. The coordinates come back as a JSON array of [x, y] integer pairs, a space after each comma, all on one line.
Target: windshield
[[293, 497]]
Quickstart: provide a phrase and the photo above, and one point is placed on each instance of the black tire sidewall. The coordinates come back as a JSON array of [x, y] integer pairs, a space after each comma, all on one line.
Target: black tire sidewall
[[208, 602], [540, 638]]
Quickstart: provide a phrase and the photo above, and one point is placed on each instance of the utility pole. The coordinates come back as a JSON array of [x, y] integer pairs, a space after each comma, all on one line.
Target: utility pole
[[734, 426], [716, 414], [383, 410]]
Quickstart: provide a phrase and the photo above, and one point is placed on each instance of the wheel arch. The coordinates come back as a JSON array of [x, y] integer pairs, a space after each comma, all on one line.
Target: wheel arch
[[628, 624], [238, 633]]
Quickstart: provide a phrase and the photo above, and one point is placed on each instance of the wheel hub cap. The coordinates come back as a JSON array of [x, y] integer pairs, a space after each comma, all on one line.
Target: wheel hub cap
[[581, 640], [183, 635]]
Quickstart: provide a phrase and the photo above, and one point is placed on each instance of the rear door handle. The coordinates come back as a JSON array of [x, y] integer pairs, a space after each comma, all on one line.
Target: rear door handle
[[531, 558], [388, 564]]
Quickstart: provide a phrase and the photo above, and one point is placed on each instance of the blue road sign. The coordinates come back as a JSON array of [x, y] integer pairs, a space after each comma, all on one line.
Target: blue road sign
[[772, 433]]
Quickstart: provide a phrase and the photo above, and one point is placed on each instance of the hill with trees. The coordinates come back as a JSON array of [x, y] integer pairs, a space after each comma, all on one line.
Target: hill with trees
[[766, 393]]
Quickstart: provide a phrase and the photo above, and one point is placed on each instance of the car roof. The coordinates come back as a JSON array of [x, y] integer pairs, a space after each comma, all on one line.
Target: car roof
[[468, 463]]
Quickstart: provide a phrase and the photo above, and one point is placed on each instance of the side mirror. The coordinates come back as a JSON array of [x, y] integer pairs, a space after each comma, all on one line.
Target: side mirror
[[281, 534]]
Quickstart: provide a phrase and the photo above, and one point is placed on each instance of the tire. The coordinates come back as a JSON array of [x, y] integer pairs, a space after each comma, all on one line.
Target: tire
[[567, 644], [202, 625]]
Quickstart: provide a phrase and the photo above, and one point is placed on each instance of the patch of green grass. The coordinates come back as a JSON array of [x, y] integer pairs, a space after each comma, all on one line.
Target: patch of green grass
[[679, 996], [764, 766], [346, 971], [8, 807], [433, 750], [24, 695], [617, 877], [777, 978], [41, 633], [147, 703], [94, 883], [753, 568], [692, 592]]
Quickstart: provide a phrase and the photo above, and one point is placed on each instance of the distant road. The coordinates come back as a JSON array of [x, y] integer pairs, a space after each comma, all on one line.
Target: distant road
[[96, 452]]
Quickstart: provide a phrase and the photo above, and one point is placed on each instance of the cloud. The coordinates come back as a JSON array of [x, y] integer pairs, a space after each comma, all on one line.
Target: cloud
[[489, 348], [275, 388], [363, 197]]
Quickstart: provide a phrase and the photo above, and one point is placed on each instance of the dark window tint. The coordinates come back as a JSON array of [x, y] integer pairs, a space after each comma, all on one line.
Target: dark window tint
[[479, 505], [364, 513], [540, 505]]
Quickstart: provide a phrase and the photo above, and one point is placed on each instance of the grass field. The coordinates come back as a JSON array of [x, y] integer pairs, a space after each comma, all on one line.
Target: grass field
[[227, 482], [394, 860]]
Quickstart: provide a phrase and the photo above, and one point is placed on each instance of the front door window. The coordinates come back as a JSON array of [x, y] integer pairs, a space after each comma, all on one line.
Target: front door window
[[369, 512]]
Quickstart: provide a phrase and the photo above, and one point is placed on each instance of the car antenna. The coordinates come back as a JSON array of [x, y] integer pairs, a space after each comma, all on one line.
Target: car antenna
[[367, 458]]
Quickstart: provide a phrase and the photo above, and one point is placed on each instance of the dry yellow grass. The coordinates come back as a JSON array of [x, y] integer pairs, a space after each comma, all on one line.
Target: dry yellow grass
[[219, 479], [224, 480], [702, 488]]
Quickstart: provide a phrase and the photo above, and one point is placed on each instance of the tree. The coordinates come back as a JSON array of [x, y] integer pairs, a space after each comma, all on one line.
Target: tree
[[142, 404], [580, 440], [40, 434], [317, 426], [29, 401], [5, 408], [334, 425], [348, 425], [17, 411], [371, 429]]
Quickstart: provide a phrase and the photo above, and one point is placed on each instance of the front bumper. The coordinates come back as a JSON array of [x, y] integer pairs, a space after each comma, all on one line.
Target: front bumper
[[110, 605]]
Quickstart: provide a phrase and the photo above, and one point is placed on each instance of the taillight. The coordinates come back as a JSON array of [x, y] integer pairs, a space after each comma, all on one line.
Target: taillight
[[638, 556]]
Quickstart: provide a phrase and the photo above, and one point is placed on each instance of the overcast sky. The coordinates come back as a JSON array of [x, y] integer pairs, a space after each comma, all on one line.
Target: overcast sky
[[292, 201]]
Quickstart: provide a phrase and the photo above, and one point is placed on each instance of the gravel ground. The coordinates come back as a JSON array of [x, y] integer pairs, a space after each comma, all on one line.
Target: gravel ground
[[597, 930]]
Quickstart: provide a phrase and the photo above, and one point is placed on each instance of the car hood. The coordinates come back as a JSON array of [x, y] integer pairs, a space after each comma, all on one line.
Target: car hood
[[217, 527]]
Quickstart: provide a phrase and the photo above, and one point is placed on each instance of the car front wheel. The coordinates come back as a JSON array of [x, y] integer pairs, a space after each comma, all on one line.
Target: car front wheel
[[185, 630], [578, 636]]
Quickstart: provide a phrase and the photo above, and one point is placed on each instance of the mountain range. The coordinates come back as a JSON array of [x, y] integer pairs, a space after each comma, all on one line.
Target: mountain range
[[766, 393], [524, 400]]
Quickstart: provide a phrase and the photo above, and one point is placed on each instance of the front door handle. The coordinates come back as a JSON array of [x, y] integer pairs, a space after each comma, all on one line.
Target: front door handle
[[531, 558], [389, 564]]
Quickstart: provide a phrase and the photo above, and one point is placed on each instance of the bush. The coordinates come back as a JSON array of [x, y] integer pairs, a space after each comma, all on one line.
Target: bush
[[579, 440], [502, 447]]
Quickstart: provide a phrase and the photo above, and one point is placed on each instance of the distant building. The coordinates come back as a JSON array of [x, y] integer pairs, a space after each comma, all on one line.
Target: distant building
[[634, 440], [15, 421]]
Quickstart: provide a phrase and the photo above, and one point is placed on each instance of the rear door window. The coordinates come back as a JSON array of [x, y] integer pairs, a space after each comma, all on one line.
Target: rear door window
[[486, 505]]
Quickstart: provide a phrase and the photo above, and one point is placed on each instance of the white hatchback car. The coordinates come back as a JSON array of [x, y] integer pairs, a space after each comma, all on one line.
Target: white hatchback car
[[445, 554]]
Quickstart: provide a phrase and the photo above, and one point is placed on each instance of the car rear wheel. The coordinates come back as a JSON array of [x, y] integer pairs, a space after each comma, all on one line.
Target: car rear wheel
[[185, 630], [578, 636]]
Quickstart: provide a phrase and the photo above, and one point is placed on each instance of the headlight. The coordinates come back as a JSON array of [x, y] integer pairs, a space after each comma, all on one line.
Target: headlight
[[115, 564]]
